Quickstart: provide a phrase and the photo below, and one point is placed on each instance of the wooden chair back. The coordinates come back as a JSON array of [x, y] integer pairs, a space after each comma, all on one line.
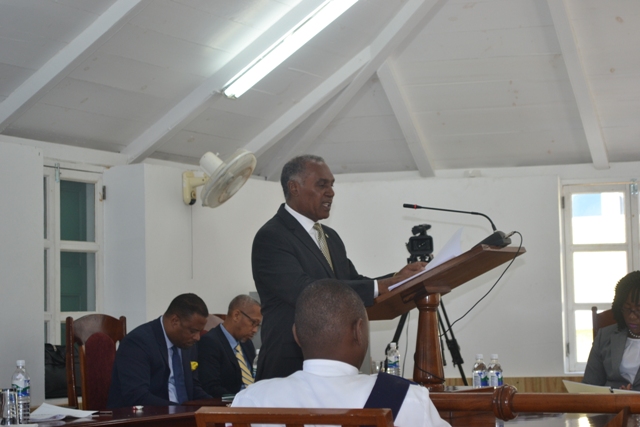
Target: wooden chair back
[[212, 321], [292, 417], [601, 320], [78, 332]]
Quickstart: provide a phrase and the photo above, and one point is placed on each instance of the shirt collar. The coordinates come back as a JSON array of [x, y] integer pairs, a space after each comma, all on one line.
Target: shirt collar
[[232, 341], [305, 222], [328, 368], [166, 338]]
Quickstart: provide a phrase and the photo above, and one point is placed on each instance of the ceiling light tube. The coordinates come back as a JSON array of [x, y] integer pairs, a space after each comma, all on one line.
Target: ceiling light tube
[[293, 40]]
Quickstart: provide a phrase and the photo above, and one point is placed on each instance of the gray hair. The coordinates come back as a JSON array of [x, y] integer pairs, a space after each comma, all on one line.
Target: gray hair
[[295, 169]]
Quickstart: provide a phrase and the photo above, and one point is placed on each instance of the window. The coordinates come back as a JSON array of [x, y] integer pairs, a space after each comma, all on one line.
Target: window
[[72, 247], [601, 246]]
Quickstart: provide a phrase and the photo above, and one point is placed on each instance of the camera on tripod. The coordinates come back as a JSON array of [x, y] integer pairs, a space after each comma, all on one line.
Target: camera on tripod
[[420, 245]]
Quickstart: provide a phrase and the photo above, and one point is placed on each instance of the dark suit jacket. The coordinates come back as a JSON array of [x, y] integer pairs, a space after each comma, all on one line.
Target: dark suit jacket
[[141, 370], [285, 260], [218, 367], [603, 365]]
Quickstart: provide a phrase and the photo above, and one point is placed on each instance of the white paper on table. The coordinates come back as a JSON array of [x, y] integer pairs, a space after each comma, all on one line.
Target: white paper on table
[[450, 250], [52, 412]]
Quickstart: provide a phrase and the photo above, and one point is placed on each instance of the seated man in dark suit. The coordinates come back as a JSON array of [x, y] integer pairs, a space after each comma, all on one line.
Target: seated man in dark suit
[[155, 363], [226, 353]]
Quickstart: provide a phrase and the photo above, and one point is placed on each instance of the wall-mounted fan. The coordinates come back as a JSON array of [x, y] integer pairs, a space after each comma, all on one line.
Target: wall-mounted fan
[[222, 179]]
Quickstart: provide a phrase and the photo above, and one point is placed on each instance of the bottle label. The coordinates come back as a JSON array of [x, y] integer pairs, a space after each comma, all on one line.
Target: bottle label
[[495, 379], [22, 387], [480, 379]]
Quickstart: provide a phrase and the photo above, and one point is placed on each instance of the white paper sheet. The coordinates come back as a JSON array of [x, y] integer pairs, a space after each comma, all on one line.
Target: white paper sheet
[[52, 412], [450, 250]]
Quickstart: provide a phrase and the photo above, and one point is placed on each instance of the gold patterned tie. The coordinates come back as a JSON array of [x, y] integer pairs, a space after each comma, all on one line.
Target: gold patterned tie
[[247, 378], [323, 243]]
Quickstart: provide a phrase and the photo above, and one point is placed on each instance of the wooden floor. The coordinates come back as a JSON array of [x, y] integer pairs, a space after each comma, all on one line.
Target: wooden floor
[[529, 384]]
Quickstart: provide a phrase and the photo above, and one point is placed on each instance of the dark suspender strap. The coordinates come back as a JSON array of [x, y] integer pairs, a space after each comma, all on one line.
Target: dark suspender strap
[[388, 392]]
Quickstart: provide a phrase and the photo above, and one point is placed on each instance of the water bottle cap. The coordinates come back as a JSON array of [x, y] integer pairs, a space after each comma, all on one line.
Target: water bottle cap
[[392, 345], [479, 356], [19, 362], [494, 356]]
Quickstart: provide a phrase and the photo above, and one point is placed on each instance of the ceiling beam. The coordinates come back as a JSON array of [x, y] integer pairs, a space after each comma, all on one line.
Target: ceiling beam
[[58, 67], [414, 12], [309, 104], [415, 139], [196, 102], [579, 84]]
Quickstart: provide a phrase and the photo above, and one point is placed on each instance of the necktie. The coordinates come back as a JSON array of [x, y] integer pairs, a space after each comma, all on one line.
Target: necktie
[[178, 375], [247, 378], [323, 243]]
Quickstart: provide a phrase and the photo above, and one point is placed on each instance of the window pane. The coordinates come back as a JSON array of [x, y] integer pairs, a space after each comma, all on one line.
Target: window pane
[[598, 218], [584, 334], [77, 281], [63, 335], [77, 211], [595, 275]]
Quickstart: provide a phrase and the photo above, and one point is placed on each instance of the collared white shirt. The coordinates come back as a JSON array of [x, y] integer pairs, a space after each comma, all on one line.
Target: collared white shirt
[[307, 224], [630, 359], [173, 396], [332, 384]]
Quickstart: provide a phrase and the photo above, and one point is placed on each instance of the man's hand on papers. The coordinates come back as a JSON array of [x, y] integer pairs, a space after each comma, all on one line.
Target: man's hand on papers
[[406, 272]]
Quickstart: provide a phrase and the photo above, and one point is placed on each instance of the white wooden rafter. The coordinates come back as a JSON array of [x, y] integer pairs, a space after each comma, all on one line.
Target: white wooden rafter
[[579, 84], [418, 145], [392, 35], [61, 64], [181, 114]]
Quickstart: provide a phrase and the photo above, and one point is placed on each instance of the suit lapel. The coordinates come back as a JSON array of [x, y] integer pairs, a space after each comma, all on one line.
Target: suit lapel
[[228, 351], [162, 343], [618, 341], [304, 237]]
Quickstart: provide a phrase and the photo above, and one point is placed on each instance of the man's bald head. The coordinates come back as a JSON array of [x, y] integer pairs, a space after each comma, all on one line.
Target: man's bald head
[[331, 323]]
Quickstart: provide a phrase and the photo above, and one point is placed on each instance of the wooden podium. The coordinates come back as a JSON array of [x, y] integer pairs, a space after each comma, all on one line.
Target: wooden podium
[[424, 293]]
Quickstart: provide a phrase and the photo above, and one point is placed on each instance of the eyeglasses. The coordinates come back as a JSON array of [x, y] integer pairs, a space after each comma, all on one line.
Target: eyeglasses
[[628, 310], [254, 322]]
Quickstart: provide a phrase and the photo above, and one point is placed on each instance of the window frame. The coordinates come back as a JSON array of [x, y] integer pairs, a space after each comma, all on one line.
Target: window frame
[[53, 245], [631, 247]]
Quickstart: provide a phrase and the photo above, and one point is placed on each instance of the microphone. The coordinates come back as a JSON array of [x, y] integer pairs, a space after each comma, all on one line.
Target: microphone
[[497, 238]]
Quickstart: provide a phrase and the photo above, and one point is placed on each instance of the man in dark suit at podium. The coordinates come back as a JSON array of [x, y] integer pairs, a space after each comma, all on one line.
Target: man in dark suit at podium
[[291, 251], [226, 353]]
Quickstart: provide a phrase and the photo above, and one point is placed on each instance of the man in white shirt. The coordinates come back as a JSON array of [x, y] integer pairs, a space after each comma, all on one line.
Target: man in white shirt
[[332, 328]]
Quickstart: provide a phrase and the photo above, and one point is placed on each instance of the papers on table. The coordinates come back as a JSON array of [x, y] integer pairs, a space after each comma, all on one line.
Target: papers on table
[[575, 387], [450, 250], [47, 412]]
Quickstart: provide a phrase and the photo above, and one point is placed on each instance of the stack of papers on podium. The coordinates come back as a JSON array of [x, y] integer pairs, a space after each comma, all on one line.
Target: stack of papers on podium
[[574, 387]]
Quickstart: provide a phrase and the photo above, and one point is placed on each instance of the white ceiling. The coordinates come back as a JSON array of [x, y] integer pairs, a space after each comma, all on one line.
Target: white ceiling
[[392, 85]]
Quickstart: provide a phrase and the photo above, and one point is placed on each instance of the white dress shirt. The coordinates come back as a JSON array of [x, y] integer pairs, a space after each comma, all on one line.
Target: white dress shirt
[[332, 384], [307, 224], [630, 359]]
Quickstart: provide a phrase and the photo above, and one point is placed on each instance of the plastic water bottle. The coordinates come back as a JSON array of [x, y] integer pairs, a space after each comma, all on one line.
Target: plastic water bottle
[[22, 383], [254, 367], [479, 373], [495, 372], [393, 360]]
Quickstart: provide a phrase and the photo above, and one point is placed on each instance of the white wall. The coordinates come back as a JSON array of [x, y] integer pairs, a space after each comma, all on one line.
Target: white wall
[[156, 247], [207, 251], [526, 305], [21, 264]]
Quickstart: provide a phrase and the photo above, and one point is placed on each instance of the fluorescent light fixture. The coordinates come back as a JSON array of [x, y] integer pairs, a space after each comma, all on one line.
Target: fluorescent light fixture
[[293, 40]]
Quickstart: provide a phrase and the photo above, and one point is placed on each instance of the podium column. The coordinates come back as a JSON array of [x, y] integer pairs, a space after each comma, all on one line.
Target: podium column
[[427, 367]]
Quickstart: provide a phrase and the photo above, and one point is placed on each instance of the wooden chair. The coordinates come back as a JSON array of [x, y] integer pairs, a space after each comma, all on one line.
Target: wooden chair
[[96, 361], [292, 417], [212, 321], [601, 320]]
